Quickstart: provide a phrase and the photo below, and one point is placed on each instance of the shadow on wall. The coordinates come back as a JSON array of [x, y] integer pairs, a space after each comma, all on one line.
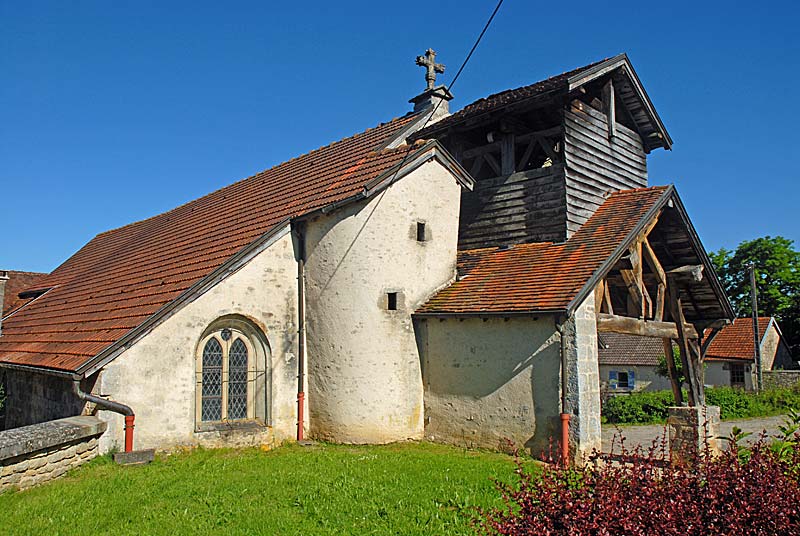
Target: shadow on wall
[[35, 398], [488, 380]]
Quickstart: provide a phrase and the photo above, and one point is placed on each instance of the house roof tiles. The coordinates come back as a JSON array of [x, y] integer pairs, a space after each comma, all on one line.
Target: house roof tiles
[[628, 350], [122, 277], [18, 282], [735, 341], [541, 277], [507, 97]]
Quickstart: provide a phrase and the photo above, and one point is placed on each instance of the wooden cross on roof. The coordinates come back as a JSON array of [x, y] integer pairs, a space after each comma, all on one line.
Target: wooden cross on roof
[[431, 67]]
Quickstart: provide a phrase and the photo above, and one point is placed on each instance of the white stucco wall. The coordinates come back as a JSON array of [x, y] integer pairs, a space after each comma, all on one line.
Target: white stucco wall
[[646, 378], [156, 376], [490, 380], [364, 378], [717, 373]]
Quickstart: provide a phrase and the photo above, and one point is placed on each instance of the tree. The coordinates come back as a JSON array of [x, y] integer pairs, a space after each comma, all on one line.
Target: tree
[[777, 267], [663, 371]]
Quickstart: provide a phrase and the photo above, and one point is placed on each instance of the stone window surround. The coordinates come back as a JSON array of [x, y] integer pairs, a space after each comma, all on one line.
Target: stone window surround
[[259, 374]]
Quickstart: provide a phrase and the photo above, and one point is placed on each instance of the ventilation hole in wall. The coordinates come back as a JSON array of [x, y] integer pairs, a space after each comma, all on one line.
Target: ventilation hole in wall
[[391, 301], [420, 231]]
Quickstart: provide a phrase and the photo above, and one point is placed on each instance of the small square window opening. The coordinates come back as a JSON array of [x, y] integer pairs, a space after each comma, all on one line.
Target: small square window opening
[[420, 231], [391, 301]]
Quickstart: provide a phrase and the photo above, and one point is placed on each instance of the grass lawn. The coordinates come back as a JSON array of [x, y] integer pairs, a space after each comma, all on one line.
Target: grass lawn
[[409, 488]]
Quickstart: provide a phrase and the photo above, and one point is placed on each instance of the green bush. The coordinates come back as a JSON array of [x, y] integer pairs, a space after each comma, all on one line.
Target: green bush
[[643, 407], [650, 407]]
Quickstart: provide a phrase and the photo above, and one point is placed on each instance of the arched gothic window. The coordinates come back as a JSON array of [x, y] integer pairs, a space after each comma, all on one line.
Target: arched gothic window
[[231, 375]]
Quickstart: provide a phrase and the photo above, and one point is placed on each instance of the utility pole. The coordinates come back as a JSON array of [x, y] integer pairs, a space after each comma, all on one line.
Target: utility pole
[[756, 337]]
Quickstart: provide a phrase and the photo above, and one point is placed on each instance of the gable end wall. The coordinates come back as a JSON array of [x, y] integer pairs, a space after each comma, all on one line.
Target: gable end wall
[[156, 376]]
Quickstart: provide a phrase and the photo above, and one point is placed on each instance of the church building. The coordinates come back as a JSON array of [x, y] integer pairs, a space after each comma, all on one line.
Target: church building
[[439, 276]]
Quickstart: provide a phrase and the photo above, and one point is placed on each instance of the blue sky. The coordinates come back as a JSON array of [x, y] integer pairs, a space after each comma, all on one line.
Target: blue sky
[[111, 112]]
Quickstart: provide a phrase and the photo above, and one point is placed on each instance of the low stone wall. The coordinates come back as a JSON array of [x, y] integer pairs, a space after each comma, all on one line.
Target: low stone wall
[[781, 378], [34, 454]]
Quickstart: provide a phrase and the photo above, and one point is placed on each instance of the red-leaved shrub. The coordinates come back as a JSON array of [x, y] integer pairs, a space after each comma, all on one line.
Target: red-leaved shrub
[[741, 492]]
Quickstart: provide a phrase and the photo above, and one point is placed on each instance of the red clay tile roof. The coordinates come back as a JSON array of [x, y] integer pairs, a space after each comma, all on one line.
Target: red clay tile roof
[[504, 98], [122, 277], [539, 277], [621, 349], [735, 341], [18, 282]]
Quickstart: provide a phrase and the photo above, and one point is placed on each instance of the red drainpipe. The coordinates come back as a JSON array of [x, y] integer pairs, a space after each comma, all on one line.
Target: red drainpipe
[[564, 415], [110, 405], [565, 438]]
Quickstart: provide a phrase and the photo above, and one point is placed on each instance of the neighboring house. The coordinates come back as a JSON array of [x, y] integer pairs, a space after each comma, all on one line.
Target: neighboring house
[[445, 282], [17, 282], [730, 358], [12, 283], [628, 363]]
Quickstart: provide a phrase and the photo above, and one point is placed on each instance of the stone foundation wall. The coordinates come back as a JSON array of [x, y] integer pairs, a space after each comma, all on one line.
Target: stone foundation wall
[[693, 431], [781, 378], [31, 455]]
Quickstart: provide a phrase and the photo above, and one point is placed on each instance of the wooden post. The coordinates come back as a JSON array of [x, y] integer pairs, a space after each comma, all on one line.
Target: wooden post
[[673, 372], [507, 158], [696, 394], [610, 106], [657, 269]]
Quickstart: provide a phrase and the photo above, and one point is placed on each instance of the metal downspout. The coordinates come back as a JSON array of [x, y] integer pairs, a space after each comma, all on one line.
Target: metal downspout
[[565, 416], [110, 405], [301, 331]]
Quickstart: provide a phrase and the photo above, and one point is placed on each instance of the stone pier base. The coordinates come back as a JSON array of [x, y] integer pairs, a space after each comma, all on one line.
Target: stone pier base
[[693, 431]]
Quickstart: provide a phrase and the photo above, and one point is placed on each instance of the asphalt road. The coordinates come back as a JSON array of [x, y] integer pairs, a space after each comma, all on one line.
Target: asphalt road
[[645, 435]]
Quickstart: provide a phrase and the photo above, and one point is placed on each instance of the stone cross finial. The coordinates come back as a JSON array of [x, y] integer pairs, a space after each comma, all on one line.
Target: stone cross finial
[[431, 67]]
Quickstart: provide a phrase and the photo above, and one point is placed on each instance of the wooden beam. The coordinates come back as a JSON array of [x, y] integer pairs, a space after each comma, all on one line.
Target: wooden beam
[[476, 166], [527, 154], [610, 108], [494, 147], [707, 342], [672, 370], [607, 299], [661, 276], [492, 161], [643, 328], [696, 362], [599, 292], [634, 293], [546, 146], [507, 159], [692, 271]]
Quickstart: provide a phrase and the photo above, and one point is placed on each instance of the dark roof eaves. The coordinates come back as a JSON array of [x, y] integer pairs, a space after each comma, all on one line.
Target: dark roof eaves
[[39, 370], [481, 314], [610, 64], [708, 266]]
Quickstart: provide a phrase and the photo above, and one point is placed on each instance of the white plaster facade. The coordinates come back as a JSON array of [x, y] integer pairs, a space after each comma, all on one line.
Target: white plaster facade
[[157, 375], [491, 380], [364, 379]]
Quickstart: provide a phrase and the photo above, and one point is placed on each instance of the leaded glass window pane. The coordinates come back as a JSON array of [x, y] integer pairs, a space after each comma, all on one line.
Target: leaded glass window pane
[[237, 380], [212, 381]]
